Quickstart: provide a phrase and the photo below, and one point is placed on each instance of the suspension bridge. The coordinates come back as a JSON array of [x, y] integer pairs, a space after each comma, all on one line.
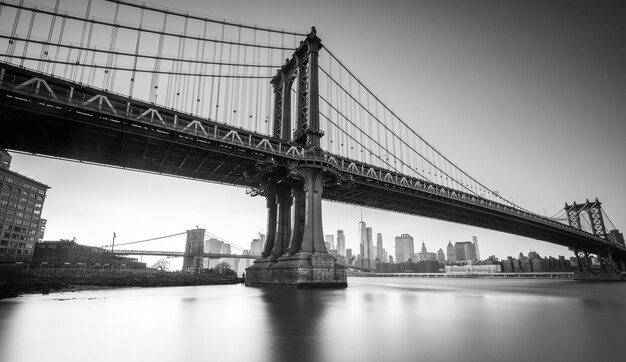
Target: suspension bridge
[[224, 252], [135, 86]]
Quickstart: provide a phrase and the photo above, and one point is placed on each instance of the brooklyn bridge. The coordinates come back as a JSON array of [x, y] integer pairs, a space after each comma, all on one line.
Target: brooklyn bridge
[[294, 131]]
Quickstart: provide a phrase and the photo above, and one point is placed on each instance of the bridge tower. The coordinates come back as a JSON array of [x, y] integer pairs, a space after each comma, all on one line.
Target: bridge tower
[[605, 257], [194, 245], [295, 254]]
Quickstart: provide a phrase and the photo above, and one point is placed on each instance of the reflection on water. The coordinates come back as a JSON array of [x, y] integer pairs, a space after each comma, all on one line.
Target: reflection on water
[[375, 319]]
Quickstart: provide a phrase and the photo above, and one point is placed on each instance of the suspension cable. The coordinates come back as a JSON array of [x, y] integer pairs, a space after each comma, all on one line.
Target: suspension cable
[[132, 27], [422, 139], [143, 5], [131, 69]]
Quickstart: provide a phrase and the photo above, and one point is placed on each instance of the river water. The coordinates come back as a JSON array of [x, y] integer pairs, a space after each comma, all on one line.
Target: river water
[[374, 319]]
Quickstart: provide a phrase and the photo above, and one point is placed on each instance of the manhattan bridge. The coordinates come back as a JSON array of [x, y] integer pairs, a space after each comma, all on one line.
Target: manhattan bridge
[[136, 86]]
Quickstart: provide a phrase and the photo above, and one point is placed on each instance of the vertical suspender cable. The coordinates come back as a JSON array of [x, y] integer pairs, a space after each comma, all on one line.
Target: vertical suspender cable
[[154, 83], [56, 55], [46, 48], [12, 43], [30, 30], [202, 80], [84, 61], [219, 79], [82, 40], [136, 57]]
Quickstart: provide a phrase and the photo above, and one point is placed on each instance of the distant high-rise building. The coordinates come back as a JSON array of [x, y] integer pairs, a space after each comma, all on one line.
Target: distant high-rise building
[[348, 253], [475, 240], [440, 255], [451, 252], [329, 241], [371, 251], [380, 253], [21, 203], [341, 243], [465, 251], [256, 246], [366, 247], [424, 250], [404, 248]]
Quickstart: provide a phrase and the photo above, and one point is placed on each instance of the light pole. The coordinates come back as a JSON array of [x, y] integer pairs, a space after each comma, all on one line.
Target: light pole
[[113, 245]]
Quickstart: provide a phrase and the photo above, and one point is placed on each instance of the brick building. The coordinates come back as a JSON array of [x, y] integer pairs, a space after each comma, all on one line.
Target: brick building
[[21, 203]]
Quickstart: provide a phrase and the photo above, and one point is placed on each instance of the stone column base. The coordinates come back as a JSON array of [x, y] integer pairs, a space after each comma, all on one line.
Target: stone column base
[[302, 270]]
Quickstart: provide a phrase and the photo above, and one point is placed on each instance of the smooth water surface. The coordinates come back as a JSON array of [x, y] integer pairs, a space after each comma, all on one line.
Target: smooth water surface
[[374, 319]]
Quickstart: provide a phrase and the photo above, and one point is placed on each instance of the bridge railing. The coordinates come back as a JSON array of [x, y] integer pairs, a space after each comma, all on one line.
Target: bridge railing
[[115, 107], [395, 179]]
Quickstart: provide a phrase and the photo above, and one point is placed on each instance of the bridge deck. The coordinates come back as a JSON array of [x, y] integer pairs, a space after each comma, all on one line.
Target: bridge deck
[[44, 115]]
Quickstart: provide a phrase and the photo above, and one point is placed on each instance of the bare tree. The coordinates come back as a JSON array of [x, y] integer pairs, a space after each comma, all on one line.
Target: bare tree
[[162, 265]]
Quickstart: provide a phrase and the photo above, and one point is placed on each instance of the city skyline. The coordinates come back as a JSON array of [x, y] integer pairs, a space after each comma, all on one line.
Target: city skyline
[[527, 109]]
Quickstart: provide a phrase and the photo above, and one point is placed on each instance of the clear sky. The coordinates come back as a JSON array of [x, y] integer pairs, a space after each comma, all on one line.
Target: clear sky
[[529, 97]]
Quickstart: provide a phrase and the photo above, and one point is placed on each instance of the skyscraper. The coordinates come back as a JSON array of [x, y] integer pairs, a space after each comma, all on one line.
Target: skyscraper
[[451, 253], [475, 240], [371, 252], [464, 251], [330, 241], [341, 243], [440, 255], [366, 246], [404, 248], [256, 246], [380, 251]]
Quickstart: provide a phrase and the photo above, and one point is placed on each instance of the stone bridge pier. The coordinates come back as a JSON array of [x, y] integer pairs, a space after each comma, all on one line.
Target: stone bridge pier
[[295, 255]]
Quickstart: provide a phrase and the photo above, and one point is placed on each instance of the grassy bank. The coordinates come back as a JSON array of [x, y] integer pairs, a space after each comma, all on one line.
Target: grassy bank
[[14, 284]]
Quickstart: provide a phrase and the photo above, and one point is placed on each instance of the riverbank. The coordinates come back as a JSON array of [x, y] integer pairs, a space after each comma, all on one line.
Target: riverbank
[[56, 282]]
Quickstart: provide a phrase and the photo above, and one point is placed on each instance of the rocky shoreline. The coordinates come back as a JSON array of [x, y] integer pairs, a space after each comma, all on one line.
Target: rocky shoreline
[[67, 282]]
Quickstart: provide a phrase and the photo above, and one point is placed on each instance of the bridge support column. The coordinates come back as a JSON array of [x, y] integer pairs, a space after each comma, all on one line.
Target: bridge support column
[[306, 263], [283, 225]]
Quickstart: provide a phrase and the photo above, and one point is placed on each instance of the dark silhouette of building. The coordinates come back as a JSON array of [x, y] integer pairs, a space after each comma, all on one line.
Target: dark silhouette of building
[[534, 263], [68, 251]]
